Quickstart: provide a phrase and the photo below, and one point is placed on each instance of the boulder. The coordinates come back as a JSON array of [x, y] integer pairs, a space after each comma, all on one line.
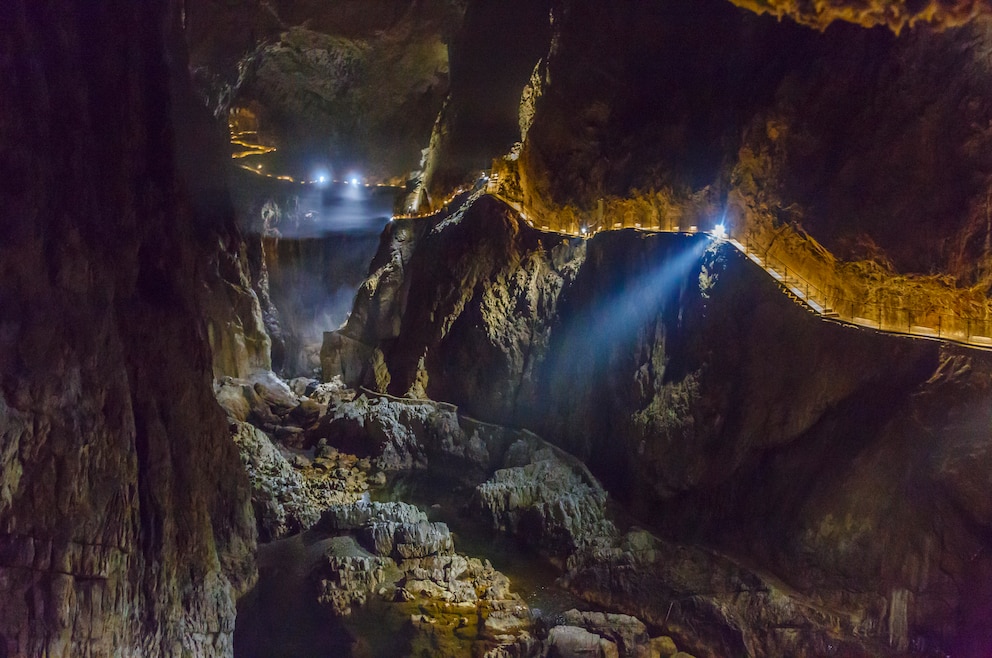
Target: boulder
[[546, 504], [274, 392], [575, 642], [628, 633]]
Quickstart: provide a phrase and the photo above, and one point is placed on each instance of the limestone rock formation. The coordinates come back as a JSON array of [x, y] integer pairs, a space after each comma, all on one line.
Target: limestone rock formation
[[393, 553], [373, 554], [716, 407], [869, 141], [546, 504], [124, 519], [331, 84], [573, 642], [290, 488], [628, 634], [493, 54], [278, 491], [239, 342], [516, 302], [895, 15]]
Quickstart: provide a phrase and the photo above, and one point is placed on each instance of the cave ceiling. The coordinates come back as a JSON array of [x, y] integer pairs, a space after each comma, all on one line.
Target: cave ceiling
[[870, 13], [871, 130]]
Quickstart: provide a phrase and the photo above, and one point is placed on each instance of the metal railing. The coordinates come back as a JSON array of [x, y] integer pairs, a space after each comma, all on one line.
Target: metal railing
[[826, 300], [830, 302]]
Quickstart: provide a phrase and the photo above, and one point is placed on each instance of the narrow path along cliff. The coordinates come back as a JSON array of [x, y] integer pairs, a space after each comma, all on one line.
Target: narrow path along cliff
[[822, 297]]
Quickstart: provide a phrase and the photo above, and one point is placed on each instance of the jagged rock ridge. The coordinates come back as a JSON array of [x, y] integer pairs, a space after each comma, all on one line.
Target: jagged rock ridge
[[707, 400]]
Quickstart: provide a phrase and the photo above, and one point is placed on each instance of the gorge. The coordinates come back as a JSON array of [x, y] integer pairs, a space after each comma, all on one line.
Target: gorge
[[445, 328]]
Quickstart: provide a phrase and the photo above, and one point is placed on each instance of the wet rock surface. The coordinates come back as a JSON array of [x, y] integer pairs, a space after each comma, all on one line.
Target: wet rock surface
[[388, 560]]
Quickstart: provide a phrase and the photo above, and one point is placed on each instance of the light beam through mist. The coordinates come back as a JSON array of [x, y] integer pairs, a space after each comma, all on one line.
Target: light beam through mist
[[611, 319], [326, 236], [328, 208]]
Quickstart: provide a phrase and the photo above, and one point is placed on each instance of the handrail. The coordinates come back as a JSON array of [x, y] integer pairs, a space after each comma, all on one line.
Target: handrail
[[829, 304], [970, 331]]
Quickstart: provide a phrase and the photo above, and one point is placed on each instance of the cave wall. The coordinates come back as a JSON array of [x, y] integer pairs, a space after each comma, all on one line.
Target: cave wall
[[894, 15], [874, 143], [124, 519], [337, 86], [844, 462], [493, 56]]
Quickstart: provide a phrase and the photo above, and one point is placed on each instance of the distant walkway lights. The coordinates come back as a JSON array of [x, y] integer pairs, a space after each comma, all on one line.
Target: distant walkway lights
[[720, 231]]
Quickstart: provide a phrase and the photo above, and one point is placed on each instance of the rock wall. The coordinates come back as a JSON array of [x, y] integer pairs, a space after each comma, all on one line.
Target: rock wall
[[336, 85], [124, 523], [876, 144], [492, 57], [895, 15], [305, 253], [846, 463]]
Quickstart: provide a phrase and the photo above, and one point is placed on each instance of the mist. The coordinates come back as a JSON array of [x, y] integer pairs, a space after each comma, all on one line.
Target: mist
[[336, 208], [318, 242]]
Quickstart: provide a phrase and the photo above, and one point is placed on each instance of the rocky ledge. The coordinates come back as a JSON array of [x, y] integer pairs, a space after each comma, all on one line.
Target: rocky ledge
[[843, 466], [354, 557]]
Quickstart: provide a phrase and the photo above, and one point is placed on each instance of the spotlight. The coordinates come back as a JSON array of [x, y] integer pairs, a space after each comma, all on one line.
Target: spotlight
[[720, 231]]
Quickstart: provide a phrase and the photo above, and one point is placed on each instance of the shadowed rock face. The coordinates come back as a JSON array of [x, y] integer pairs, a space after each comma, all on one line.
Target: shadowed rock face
[[344, 86], [492, 57], [845, 463], [876, 144], [124, 526]]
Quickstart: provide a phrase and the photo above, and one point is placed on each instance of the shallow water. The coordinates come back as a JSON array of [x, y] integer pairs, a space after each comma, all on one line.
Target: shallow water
[[444, 499], [280, 617]]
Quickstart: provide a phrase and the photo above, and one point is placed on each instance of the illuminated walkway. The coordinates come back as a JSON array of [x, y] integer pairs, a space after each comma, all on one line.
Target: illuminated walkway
[[946, 326], [827, 302], [248, 148]]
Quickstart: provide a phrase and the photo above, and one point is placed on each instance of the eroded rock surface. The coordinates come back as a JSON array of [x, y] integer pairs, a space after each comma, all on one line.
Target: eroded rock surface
[[386, 559], [291, 487], [390, 552], [869, 14], [721, 411], [862, 138], [124, 520], [547, 504], [334, 83]]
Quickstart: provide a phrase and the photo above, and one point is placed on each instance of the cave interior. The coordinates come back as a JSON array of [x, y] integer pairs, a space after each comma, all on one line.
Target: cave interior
[[496, 328]]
